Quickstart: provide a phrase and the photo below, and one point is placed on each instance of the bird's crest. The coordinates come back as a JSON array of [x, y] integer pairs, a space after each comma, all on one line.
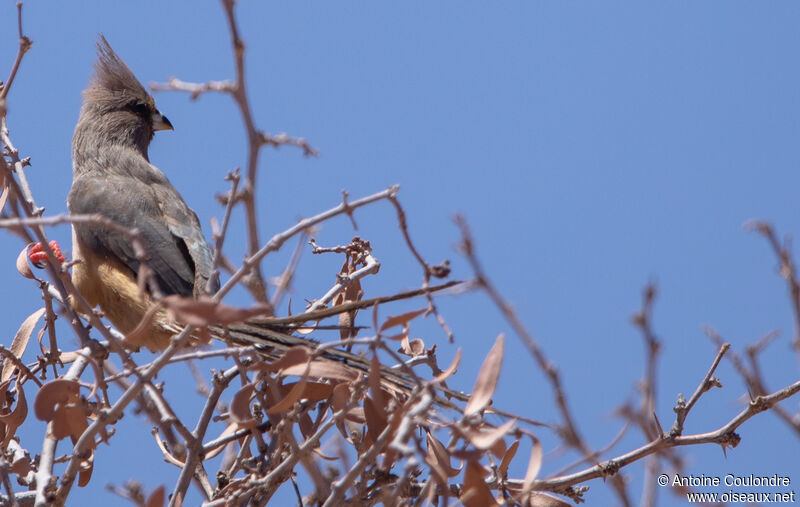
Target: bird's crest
[[112, 76]]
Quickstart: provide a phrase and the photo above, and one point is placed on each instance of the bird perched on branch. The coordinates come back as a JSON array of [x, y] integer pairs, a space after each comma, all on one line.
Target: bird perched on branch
[[113, 177]]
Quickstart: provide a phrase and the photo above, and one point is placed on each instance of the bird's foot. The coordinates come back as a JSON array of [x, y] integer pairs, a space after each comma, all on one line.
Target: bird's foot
[[38, 256]]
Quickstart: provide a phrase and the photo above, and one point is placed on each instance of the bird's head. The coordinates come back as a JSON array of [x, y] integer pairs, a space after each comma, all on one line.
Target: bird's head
[[116, 107]]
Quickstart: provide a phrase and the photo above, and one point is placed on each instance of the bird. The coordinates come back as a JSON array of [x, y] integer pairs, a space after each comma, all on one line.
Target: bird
[[113, 177]]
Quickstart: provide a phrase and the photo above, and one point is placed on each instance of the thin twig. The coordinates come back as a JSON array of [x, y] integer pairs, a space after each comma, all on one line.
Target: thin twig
[[24, 45]]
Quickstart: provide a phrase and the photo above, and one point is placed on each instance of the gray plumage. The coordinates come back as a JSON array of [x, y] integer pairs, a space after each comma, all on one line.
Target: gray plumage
[[112, 176]]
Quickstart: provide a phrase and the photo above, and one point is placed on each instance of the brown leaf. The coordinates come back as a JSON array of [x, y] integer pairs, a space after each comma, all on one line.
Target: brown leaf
[[413, 348], [374, 381], [485, 440], [17, 416], [23, 266], [288, 401], [507, 457], [534, 464], [240, 407], [439, 458], [450, 369], [85, 475], [476, 492], [305, 424], [376, 418], [156, 498], [499, 448], [297, 355], [204, 311], [487, 379], [52, 394], [323, 369], [351, 293], [20, 342], [340, 396], [313, 391], [402, 319], [339, 399], [69, 421], [21, 464]]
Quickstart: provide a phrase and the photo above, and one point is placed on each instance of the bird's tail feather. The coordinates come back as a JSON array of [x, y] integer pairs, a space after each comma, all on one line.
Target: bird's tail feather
[[272, 343]]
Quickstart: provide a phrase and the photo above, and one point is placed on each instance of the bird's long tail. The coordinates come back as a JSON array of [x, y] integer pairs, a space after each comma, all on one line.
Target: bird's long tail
[[272, 343]]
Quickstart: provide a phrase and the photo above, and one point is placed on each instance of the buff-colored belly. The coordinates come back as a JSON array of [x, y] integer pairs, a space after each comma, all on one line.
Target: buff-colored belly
[[108, 283]]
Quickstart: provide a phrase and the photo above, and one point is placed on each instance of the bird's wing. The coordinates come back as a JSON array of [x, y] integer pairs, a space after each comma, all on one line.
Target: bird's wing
[[173, 242], [184, 224]]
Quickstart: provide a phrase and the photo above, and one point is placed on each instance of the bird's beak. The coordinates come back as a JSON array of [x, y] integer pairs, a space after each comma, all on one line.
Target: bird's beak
[[160, 122]]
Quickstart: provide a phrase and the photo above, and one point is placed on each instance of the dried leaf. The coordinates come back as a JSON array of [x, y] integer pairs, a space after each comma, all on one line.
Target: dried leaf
[[23, 266], [376, 418], [69, 421], [374, 381], [157, 497], [339, 399], [413, 348], [205, 311], [17, 416], [52, 394], [288, 401], [476, 492], [21, 464], [240, 407], [306, 424], [323, 369], [402, 319], [20, 342], [450, 369], [485, 440], [351, 293], [297, 355], [314, 391], [487, 379], [347, 319], [499, 448], [507, 457], [85, 475], [534, 464], [438, 457], [340, 396]]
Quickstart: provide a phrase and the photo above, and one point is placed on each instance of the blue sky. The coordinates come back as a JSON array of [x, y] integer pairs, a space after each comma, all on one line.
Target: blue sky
[[592, 147]]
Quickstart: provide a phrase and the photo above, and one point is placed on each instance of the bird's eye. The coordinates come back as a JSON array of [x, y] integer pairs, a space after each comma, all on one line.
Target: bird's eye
[[139, 108]]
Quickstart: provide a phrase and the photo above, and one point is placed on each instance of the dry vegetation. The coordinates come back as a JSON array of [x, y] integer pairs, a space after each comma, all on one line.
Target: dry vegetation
[[402, 436]]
